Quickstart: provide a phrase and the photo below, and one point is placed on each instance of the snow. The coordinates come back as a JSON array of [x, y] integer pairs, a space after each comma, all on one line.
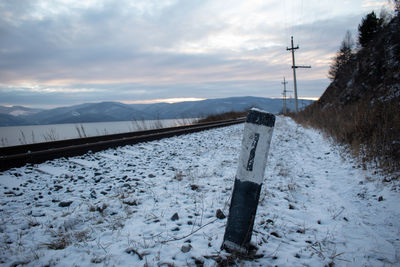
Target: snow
[[116, 207], [53, 171], [85, 163], [260, 110], [110, 156], [9, 181]]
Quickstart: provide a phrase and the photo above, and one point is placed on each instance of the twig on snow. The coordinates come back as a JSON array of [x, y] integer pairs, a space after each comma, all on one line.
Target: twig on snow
[[185, 236]]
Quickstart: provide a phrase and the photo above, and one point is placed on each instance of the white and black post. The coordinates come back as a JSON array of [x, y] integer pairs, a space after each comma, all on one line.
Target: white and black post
[[248, 181]]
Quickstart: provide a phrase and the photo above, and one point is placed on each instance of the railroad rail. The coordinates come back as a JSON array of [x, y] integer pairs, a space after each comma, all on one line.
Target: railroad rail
[[17, 156]]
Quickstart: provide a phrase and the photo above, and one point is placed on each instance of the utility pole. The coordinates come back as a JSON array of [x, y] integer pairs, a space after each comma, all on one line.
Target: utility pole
[[284, 94], [294, 67]]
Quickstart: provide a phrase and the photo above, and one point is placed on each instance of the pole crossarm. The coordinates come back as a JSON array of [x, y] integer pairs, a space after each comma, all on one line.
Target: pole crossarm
[[292, 48], [303, 67]]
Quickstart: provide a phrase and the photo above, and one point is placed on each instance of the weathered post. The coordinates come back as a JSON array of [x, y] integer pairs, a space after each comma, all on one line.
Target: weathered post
[[248, 181]]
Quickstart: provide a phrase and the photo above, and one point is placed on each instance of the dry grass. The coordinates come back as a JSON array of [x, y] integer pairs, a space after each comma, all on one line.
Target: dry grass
[[371, 129]]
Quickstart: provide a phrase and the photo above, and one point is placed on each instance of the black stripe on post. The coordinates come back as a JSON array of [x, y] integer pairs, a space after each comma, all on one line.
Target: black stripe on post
[[248, 181], [259, 117]]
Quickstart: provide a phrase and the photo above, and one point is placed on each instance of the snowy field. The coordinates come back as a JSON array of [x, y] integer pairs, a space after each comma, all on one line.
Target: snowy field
[[156, 203]]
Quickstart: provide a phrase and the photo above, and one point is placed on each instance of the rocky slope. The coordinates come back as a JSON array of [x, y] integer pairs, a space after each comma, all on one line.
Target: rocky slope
[[374, 72]]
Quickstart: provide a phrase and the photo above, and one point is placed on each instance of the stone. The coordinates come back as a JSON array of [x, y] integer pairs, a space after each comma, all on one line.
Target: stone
[[186, 248], [64, 204], [220, 215], [175, 217]]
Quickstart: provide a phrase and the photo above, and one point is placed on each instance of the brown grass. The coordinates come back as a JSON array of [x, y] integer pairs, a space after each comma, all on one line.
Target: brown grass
[[371, 129]]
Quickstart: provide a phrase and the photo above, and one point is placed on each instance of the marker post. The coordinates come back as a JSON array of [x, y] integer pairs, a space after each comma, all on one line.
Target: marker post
[[256, 141]]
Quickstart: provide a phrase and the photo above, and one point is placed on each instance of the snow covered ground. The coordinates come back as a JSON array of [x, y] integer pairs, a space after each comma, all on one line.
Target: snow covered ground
[[155, 204]]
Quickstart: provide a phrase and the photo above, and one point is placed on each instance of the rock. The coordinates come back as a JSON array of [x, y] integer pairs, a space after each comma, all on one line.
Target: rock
[[269, 221], [130, 202], [19, 263], [194, 187], [175, 217], [380, 198], [276, 234], [220, 215], [387, 179], [101, 208], [64, 204], [57, 187], [186, 248], [126, 185], [97, 260], [134, 251], [198, 262]]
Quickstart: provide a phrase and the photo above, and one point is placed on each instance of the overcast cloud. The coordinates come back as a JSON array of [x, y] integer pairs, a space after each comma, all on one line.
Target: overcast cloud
[[67, 52]]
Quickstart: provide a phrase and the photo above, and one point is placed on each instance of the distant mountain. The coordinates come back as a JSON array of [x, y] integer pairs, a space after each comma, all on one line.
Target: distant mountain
[[18, 110], [89, 112], [214, 106], [115, 111], [10, 120]]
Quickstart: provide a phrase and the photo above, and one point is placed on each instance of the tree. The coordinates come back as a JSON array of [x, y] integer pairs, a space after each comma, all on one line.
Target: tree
[[368, 28], [343, 56], [385, 17], [396, 6]]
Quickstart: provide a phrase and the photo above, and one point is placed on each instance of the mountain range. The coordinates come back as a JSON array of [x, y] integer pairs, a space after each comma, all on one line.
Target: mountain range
[[116, 111]]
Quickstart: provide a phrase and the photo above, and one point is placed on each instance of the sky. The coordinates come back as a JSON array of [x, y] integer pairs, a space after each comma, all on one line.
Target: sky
[[65, 52]]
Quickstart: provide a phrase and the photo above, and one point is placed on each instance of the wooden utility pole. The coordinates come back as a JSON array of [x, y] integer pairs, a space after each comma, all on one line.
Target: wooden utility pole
[[284, 95], [294, 67]]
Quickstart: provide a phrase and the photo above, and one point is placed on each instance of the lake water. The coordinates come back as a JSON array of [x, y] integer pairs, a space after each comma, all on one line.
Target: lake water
[[18, 135]]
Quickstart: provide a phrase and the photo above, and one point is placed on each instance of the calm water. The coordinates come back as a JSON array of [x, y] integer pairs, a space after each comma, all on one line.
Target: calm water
[[17, 135]]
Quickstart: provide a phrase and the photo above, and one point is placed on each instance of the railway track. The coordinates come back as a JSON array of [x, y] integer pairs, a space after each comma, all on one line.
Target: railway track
[[17, 156]]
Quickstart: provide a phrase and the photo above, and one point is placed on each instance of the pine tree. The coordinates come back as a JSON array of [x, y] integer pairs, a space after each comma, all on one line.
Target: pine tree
[[396, 6], [343, 56], [368, 28]]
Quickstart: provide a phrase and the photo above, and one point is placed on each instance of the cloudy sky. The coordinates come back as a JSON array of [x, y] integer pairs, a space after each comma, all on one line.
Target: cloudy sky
[[64, 52]]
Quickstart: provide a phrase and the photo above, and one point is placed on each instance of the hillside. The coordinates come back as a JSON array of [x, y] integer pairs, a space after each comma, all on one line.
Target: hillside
[[361, 105], [115, 111]]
